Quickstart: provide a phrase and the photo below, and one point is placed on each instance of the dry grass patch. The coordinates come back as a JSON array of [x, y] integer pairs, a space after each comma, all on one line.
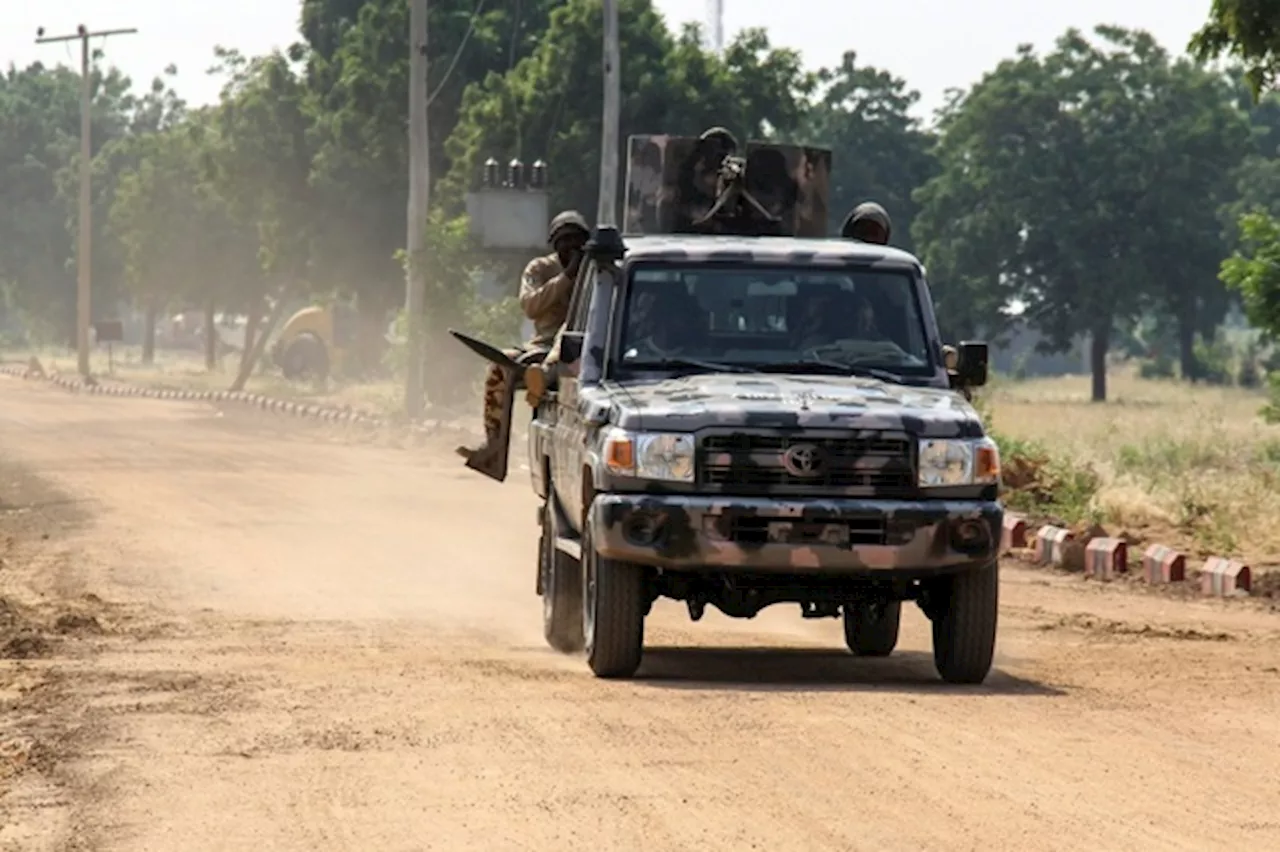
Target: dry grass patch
[[1185, 465]]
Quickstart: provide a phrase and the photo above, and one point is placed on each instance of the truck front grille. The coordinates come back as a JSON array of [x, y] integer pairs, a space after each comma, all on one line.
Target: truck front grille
[[866, 463]]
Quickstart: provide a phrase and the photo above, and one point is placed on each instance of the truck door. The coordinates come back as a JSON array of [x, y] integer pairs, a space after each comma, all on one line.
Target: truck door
[[568, 443]]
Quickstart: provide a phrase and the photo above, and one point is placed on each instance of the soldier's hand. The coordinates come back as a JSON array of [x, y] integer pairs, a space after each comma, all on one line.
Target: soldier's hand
[[575, 263]]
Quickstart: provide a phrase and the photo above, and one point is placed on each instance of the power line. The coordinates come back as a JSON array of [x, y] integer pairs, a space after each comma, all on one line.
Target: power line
[[457, 54], [715, 22]]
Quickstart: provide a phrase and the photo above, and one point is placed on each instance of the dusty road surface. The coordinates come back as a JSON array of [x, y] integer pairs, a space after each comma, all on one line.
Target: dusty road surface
[[222, 638]]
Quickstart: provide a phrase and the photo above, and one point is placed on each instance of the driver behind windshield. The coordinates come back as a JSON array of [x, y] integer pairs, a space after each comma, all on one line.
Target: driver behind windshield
[[865, 326], [830, 316], [822, 319], [663, 323]]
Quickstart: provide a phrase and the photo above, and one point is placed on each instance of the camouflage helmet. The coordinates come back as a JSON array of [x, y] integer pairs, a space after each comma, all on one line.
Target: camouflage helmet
[[567, 220], [721, 137], [866, 211]]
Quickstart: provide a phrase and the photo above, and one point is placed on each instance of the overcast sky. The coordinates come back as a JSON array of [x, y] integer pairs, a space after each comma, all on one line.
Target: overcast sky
[[933, 44]]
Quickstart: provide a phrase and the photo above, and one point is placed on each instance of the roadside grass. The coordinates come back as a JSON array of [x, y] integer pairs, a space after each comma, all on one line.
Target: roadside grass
[[1184, 465]]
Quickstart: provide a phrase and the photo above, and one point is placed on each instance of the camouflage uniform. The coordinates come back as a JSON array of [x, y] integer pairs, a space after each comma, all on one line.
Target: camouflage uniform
[[545, 291], [867, 213]]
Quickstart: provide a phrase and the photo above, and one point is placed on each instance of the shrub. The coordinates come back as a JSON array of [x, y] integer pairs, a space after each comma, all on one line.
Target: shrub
[[1159, 367], [1039, 482], [1271, 411]]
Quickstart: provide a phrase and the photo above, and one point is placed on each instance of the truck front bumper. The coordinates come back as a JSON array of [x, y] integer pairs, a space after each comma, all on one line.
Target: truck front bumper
[[817, 536]]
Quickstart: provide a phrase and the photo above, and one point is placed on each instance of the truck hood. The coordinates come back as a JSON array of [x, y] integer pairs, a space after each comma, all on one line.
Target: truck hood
[[759, 401]]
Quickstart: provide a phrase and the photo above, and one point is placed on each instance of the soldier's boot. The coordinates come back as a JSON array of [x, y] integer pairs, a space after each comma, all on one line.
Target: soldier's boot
[[495, 390], [536, 380]]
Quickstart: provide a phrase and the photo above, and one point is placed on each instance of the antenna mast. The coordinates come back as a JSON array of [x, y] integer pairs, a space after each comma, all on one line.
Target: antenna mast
[[715, 30]]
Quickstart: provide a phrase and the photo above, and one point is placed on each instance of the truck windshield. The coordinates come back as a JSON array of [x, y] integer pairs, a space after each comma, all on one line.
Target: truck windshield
[[756, 316]]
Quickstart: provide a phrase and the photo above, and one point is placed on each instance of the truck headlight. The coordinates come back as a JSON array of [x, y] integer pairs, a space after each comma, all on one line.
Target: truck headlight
[[660, 456], [958, 461]]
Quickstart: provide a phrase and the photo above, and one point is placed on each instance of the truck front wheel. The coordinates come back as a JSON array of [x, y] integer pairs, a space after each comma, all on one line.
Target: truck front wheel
[[614, 608], [560, 582], [871, 629], [964, 625]]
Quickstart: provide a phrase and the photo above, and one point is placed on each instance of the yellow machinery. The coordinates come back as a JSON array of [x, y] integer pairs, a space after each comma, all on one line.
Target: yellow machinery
[[318, 341]]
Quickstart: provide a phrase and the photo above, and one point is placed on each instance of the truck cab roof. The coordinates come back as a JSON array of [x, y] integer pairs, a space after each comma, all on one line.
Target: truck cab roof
[[783, 250]]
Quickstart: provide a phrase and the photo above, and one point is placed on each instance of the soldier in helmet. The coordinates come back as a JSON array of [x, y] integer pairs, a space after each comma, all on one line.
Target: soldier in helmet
[[545, 290], [868, 223]]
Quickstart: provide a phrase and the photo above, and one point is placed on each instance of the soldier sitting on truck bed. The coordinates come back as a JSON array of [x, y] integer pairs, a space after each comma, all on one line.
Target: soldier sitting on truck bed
[[545, 290], [868, 223]]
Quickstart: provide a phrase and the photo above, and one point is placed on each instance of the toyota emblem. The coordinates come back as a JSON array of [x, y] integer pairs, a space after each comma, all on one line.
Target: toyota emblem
[[803, 460]]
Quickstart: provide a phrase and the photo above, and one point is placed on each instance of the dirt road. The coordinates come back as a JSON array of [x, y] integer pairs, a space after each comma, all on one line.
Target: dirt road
[[307, 645]]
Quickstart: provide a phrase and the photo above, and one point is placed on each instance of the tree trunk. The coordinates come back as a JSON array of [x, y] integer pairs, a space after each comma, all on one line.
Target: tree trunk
[[255, 340], [1099, 345], [1187, 348], [210, 338], [149, 333]]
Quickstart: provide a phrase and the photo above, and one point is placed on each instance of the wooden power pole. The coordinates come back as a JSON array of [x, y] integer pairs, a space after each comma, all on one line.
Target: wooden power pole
[[419, 204], [611, 117], [84, 258]]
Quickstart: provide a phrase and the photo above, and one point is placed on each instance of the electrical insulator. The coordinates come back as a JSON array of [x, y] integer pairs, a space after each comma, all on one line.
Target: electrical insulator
[[515, 174], [538, 175], [491, 172]]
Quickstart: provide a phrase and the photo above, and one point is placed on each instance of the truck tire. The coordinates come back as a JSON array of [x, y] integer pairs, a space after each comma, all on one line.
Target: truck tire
[[613, 611], [964, 631], [305, 357], [871, 630], [560, 579]]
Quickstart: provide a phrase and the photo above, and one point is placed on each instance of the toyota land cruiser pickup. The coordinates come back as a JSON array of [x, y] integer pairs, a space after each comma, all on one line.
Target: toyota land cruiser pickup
[[748, 419]]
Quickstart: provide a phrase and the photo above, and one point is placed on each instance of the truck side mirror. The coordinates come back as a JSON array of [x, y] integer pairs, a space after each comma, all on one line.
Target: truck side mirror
[[570, 346], [971, 364]]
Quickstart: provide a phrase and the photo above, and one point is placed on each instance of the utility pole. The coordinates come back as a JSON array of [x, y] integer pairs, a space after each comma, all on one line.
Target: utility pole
[[84, 299], [715, 14], [611, 118], [419, 204]]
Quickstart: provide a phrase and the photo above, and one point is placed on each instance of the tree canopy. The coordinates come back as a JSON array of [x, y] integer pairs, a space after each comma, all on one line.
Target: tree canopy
[[1085, 184], [1084, 192], [1247, 30]]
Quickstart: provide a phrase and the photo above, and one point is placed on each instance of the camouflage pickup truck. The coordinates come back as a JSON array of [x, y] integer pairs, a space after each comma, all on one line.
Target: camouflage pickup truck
[[744, 413]]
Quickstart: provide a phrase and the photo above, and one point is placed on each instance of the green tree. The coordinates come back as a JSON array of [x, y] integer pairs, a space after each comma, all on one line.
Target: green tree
[[202, 248], [259, 165], [549, 105], [357, 74], [1248, 30], [1076, 183], [151, 117], [879, 150], [39, 168], [1198, 140], [1253, 271]]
